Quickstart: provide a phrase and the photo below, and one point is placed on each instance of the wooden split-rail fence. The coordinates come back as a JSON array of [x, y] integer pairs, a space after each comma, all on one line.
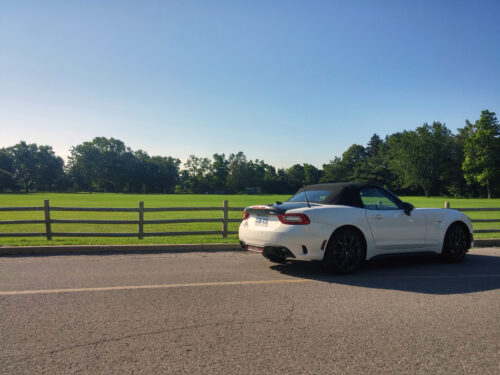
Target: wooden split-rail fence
[[141, 210]]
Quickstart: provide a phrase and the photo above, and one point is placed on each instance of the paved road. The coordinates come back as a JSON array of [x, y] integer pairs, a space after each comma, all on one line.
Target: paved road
[[236, 313]]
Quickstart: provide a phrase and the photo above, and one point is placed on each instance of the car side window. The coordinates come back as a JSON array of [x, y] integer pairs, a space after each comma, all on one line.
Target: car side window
[[376, 199]]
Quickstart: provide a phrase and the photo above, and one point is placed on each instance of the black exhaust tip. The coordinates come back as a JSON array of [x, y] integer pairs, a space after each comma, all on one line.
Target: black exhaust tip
[[277, 252]]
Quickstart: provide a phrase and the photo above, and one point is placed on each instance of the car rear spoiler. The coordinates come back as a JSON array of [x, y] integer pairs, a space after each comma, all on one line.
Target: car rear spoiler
[[266, 209]]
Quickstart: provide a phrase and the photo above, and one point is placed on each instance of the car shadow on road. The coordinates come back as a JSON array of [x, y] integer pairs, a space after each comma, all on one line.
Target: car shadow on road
[[419, 274]]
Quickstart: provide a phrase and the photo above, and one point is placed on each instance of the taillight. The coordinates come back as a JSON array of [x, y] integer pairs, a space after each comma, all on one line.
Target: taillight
[[294, 219], [245, 215]]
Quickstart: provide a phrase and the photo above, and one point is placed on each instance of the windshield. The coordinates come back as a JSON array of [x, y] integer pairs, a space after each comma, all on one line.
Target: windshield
[[316, 196]]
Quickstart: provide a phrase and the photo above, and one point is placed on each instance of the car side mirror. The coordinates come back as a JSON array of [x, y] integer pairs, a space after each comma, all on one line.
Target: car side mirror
[[408, 207]]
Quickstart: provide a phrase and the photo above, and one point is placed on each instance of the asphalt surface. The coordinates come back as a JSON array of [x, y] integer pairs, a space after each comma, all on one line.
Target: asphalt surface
[[237, 313]]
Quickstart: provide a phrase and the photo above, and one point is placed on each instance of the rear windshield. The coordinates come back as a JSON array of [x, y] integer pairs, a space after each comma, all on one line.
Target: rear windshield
[[317, 196]]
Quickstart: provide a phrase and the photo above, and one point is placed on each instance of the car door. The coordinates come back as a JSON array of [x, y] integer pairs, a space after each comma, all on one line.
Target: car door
[[391, 227]]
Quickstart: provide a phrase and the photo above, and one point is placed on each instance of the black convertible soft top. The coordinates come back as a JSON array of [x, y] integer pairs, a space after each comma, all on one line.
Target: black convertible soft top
[[341, 193], [345, 193]]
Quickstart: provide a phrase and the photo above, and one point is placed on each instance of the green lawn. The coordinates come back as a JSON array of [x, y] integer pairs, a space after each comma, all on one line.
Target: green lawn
[[165, 200]]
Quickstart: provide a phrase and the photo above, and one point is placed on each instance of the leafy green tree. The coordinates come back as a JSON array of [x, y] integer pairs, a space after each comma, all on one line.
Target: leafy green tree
[[333, 171], [83, 167], [257, 171], [347, 168], [452, 181], [375, 146], [141, 178], [24, 156], [239, 173], [219, 172], [353, 161], [104, 164], [312, 175], [419, 157], [183, 178], [270, 183], [49, 172], [361, 164], [375, 168], [302, 175], [36, 167], [482, 151], [7, 181], [296, 176], [198, 175], [164, 174], [284, 186]]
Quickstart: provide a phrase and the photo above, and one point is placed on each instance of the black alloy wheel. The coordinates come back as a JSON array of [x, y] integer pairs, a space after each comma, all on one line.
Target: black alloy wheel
[[345, 252], [456, 244]]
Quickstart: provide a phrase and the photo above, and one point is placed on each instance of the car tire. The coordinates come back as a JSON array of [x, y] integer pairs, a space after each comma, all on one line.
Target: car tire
[[455, 244], [345, 252]]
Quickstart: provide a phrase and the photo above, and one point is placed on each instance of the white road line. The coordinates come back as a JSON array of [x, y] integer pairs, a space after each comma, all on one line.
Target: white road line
[[157, 286]]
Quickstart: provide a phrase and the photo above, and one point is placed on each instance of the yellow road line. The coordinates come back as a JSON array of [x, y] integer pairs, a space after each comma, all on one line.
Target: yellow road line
[[248, 282], [157, 286]]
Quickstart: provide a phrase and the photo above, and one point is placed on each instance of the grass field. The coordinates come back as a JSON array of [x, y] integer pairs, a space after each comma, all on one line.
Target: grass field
[[165, 200]]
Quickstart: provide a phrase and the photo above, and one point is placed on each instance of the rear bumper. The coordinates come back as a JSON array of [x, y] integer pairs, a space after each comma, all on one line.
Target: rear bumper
[[294, 241], [277, 252], [270, 251]]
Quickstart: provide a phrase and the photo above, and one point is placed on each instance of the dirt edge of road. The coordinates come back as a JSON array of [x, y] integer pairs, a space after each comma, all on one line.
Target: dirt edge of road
[[82, 249]]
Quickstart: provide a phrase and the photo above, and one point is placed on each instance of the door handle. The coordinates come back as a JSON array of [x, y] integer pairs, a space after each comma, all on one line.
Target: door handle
[[378, 217]]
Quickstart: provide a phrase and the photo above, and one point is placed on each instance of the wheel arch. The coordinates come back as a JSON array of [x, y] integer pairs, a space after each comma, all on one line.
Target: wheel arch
[[352, 227]]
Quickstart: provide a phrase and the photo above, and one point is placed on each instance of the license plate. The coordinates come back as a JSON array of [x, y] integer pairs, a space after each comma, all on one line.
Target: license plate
[[255, 248], [262, 221]]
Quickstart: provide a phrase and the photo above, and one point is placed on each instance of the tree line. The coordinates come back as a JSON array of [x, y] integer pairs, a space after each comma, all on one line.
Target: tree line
[[429, 160]]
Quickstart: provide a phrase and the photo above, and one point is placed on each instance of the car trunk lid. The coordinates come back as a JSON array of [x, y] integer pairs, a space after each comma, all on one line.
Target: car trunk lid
[[275, 209]]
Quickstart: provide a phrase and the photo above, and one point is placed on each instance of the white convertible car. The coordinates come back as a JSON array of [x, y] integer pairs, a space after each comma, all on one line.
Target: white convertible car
[[344, 224]]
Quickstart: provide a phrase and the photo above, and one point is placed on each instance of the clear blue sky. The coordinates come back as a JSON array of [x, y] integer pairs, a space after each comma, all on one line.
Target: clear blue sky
[[283, 81]]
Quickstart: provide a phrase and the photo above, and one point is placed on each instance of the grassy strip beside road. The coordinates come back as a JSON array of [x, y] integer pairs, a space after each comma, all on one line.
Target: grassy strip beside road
[[163, 200]]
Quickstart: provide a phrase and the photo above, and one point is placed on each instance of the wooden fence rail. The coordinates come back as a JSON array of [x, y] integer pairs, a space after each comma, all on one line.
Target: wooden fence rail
[[447, 205], [140, 222]]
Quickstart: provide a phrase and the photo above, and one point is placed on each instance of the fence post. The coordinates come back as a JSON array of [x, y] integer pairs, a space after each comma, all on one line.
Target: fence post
[[48, 228], [224, 219], [446, 204], [141, 220]]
